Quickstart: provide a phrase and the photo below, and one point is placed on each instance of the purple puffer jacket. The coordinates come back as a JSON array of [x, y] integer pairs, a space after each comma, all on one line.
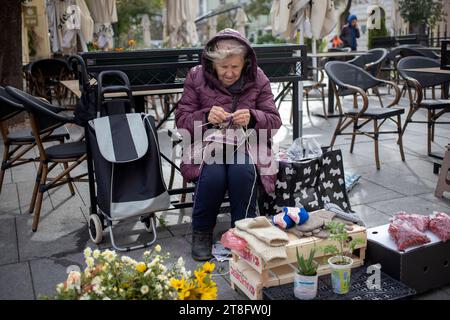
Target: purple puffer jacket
[[202, 90]]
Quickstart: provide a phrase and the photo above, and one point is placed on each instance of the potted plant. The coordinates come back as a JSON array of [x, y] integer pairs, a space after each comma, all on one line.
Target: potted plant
[[341, 261], [306, 278]]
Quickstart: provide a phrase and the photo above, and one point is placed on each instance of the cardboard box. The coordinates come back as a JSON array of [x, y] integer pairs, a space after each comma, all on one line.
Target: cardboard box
[[422, 268]]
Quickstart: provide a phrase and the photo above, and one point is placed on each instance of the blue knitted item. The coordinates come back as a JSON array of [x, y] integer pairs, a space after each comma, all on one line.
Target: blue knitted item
[[298, 215]]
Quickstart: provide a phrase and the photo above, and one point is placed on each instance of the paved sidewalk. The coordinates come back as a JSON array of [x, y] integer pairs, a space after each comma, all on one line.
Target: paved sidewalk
[[31, 264]]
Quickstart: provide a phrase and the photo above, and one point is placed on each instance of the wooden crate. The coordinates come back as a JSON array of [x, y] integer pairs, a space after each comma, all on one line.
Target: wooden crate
[[250, 273]]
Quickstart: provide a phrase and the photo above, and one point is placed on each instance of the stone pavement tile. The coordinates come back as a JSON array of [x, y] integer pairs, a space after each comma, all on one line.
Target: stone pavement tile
[[409, 204], [49, 272], [24, 173], [8, 176], [9, 200], [59, 231], [394, 179], [444, 201], [25, 191], [370, 216], [16, 282], [8, 241], [419, 167], [366, 192]]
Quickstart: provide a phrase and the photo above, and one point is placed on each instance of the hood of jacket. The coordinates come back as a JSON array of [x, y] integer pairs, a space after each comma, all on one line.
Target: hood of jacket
[[250, 68], [351, 18]]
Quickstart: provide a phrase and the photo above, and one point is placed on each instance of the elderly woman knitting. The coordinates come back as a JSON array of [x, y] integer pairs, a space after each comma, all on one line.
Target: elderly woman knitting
[[227, 89]]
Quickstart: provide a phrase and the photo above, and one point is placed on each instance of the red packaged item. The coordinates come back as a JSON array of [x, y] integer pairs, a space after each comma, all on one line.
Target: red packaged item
[[229, 240], [440, 225], [417, 220], [406, 235]]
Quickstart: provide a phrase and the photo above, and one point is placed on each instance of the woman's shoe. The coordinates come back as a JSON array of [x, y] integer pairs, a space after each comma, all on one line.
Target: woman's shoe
[[201, 245]]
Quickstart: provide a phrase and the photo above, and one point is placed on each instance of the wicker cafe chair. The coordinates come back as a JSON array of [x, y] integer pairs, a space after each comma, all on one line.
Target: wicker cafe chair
[[419, 81], [46, 75], [18, 143], [348, 79], [372, 63], [44, 119]]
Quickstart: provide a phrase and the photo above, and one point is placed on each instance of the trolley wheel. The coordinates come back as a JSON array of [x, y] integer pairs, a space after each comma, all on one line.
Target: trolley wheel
[[148, 224], [95, 229]]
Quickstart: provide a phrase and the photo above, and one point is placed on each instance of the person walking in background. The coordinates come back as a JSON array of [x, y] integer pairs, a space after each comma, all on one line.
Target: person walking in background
[[350, 32]]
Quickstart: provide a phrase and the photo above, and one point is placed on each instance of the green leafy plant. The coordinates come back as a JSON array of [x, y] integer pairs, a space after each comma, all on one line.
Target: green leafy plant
[[307, 267], [422, 12], [339, 233]]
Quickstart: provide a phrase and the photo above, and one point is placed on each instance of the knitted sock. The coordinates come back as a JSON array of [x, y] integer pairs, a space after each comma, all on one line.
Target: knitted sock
[[283, 220], [298, 215]]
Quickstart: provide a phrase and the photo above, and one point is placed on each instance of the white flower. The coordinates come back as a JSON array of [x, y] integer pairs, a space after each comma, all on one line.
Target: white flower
[[87, 252], [147, 273], [144, 289], [60, 287], [162, 268], [98, 290], [73, 280], [158, 248], [85, 297], [128, 260], [109, 255], [106, 298], [147, 253], [97, 280], [158, 288], [162, 277], [96, 254], [90, 262], [154, 262], [180, 262]]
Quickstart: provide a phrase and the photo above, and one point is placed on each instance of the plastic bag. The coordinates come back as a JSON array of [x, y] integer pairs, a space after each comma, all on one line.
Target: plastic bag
[[229, 240], [406, 235], [418, 221], [440, 225], [304, 148]]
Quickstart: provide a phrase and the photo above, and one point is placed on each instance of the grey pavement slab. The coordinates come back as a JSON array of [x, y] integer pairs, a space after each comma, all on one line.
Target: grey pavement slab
[[370, 216], [8, 241], [409, 204], [393, 179], [49, 272], [59, 232], [366, 192], [16, 282], [438, 294], [444, 201], [9, 199]]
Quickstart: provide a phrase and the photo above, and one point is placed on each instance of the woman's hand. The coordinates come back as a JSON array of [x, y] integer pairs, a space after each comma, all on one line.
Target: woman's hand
[[217, 115], [241, 117]]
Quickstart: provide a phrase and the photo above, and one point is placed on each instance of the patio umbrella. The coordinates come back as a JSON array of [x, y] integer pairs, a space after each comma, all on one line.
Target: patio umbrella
[[180, 22], [212, 27], [145, 23], [104, 14], [322, 17], [289, 16], [68, 19], [241, 20]]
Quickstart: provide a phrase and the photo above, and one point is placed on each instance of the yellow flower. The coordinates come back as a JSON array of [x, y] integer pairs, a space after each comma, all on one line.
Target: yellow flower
[[199, 275], [141, 267], [210, 294], [178, 283], [208, 267]]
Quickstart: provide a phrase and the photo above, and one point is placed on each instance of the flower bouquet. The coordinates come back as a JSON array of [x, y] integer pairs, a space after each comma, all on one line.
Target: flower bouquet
[[108, 276]]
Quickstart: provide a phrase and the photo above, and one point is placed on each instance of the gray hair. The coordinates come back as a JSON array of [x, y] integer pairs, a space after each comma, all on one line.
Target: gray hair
[[224, 49]]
